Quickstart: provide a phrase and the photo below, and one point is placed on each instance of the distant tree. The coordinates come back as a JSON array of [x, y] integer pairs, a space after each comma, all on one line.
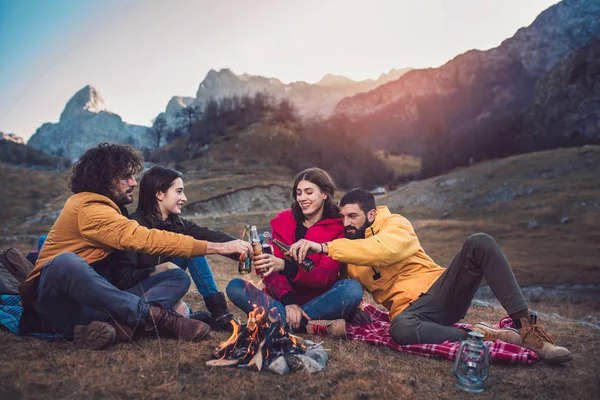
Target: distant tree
[[159, 129], [190, 115], [285, 111]]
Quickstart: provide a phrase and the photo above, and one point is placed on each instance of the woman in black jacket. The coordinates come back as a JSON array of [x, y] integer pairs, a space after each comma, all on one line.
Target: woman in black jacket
[[161, 199]]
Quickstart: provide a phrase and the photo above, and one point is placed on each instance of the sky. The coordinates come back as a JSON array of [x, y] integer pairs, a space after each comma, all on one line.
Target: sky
[[140, 53]]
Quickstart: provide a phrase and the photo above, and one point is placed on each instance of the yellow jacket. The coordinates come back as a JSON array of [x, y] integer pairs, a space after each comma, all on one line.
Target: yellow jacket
[[92, 226], [390, 250]]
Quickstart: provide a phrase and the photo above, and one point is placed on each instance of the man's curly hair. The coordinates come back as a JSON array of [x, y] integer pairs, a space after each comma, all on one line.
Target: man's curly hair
[[95, 170]]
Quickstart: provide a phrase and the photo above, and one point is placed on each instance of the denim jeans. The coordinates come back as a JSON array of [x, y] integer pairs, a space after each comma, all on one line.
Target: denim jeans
[[343, 297], [201, 274], [71, 293]]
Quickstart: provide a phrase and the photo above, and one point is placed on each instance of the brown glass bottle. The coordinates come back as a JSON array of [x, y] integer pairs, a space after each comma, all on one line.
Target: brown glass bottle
[[306, 264]]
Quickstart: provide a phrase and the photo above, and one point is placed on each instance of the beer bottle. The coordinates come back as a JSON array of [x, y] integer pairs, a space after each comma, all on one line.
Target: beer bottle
[[266, 246], [255, 241], [306, 264], [245, 264]]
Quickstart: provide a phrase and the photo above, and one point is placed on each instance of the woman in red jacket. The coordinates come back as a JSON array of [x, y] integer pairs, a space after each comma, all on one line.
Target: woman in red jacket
[[307, 301]]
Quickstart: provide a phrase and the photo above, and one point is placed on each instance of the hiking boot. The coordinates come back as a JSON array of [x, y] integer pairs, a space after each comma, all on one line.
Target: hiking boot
[[508, 335], [334, 328], [94, 336], [220, 315], [123, 331], [535, 338], [173, 325]]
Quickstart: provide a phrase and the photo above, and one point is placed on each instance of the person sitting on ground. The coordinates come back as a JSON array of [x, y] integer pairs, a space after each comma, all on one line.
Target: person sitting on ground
[[384, 254], [70, 291], [314, 301], [160, 202]]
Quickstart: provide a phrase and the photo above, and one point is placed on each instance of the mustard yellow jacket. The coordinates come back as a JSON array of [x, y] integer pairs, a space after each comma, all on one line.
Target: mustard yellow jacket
[[92, 226], [390, 252]]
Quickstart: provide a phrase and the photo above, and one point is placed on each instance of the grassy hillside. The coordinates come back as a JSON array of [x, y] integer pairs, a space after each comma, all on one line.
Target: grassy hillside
[[502, 197]]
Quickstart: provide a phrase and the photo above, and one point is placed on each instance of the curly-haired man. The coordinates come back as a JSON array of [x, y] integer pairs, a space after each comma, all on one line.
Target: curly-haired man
[[70, 291]]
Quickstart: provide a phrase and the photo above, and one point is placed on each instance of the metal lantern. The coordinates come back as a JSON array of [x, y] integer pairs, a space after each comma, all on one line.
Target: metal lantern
[[472, 364]]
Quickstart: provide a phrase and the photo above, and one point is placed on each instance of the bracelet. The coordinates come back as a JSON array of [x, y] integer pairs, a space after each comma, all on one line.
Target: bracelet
[[321, 247]]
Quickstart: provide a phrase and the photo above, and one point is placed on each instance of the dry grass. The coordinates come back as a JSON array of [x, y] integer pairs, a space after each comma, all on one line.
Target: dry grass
[[551, 253], [31, 368]]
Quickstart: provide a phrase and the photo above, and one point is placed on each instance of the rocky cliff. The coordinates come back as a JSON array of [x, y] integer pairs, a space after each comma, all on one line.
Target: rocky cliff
[[84, 123], [565, 109], [310, 99], [476, 85], [11, 137]]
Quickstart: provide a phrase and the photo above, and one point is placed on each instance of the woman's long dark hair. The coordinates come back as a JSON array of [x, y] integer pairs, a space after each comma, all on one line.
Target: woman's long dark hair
[[156, 179], [325, 183]]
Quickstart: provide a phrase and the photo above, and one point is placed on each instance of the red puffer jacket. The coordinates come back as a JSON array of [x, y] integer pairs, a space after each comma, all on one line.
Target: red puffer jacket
[[326, 272]]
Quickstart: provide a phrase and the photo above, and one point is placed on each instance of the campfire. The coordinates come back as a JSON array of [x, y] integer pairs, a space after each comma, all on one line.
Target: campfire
[[265, 343]]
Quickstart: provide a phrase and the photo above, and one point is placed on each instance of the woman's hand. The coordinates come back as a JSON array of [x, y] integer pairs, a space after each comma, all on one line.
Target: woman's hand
[[163, 267], [265, 264], [294, 314]]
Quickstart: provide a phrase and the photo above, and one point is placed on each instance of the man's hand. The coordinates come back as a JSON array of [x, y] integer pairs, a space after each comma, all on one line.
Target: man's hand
[[294, 315], [163, 267], [233, 247], [265, 264], [302, 248]]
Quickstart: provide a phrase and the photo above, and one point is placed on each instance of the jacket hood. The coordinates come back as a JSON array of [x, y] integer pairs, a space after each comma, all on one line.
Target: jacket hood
[[383, 214]]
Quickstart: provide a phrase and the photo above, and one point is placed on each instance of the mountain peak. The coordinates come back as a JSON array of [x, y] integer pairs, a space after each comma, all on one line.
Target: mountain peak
[[334, 80], [11, 137], [86, 100]]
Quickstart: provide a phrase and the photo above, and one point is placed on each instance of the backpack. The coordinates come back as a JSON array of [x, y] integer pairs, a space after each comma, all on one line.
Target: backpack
[[14, 268]]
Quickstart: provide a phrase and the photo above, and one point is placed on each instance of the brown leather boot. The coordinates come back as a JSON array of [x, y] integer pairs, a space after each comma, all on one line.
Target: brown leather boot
[[170, 324], [335, 328], [535, 338], [124, 332], [94, 336]]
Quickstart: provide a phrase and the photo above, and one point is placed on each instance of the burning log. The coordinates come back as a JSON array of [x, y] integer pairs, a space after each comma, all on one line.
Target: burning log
[[258, 343]]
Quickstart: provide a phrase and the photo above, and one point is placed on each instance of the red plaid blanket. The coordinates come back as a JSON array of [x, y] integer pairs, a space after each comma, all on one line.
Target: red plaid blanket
[[378, 334]]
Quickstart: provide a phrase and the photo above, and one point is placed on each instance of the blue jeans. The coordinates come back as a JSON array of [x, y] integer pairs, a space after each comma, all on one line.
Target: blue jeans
[[343, 297], [201, 274], [71, 293]]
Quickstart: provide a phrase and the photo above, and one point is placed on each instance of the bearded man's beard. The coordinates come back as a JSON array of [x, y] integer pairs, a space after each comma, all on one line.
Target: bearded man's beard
[[353, 233]]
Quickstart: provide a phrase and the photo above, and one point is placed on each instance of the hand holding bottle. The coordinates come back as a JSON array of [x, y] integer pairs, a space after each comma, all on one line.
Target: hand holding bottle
[[266, 264]]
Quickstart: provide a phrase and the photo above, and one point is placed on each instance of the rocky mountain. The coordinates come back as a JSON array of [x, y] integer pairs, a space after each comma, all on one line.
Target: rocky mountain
[[84, 123], [310, 99], [565, 109], [14, 151], [475, 86], [11, 137]]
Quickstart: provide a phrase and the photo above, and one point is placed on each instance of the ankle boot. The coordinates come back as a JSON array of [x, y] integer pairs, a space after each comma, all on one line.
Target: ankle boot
[[334, 328], [535, 338], [220, 315], [94, 336], [173, 325], [124, 333]]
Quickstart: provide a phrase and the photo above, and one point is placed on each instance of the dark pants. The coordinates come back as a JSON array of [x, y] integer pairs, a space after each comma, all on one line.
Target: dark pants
[[71, 293], [429, 319]]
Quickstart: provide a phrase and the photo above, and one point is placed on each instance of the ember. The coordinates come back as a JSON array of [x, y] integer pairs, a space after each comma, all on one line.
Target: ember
[[264, 342]]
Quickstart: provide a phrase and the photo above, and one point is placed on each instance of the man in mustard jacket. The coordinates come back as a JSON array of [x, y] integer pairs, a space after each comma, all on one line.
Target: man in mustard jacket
[[70, 291], [383, 253]]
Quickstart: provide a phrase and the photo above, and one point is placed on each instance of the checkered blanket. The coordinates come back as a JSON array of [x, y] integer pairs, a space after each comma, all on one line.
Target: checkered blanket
[[378, 333], [10, 315]]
